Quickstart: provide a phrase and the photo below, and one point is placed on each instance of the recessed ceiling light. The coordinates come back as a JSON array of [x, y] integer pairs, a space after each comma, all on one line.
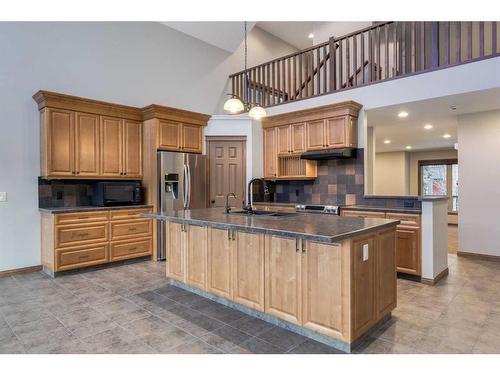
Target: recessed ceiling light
[[387, 141], [446, 136], [403, 114], [408, 147], [310, 36], [428, 126]]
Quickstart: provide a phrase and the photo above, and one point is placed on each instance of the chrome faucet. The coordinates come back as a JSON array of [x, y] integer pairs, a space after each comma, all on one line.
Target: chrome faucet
[[249, 207], [227, 208]]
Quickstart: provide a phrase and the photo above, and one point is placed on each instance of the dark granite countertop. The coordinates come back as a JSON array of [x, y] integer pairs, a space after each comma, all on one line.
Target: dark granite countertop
[[400, 210], [276, 204], [60, 210], [321, 228]]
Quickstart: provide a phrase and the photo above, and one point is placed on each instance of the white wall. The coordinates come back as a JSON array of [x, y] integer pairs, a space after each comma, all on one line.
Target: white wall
[[133, 63], [392, 173], [479, 182]]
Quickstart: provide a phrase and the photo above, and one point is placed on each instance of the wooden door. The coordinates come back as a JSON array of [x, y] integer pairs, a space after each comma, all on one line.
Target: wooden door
[[87, 150], [408, 249], [60, 143], [196, 256], [298, 138], [270, 153], [283, 286], [386, 271], [248, 270], [326, 289], [220, 263], [176, 244], [315, 135], [283, 140], [169, 135], [363, 284], [132, 149], [336, 132], [227, 171], [111, 147], [191, 138]]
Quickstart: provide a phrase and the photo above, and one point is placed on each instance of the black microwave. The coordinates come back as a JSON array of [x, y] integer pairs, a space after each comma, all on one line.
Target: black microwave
[[117, 193]]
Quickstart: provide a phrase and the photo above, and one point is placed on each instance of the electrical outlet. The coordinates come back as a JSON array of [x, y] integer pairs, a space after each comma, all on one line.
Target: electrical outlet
[[365, 252], [3, 196]]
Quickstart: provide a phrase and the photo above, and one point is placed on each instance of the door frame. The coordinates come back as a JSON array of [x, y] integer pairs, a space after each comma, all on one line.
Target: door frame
[[226, 138]]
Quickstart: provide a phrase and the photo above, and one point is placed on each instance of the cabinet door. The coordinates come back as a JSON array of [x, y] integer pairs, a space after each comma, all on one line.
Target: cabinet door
[[325, 289], [111, 147], [248, 270], [191, 138], [336, 132], [270, 153], [298, 138], [60, 143], [408, 249], [220, 265], [169, 135], [176, 251], [196, 256], [386, 272], [132, 147], [283, 140], [87, 151], [363, 284], [283, 279], [315, 135]]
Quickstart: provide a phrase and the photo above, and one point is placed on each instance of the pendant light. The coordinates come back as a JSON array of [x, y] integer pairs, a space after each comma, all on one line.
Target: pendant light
[[235, 104]]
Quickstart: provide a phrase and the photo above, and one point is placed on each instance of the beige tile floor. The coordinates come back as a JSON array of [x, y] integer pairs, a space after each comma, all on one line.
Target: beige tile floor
[[131, 309]]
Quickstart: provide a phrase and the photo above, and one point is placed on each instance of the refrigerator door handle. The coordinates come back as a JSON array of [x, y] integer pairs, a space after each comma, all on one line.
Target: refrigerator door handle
[[185, 186], [189, 186]]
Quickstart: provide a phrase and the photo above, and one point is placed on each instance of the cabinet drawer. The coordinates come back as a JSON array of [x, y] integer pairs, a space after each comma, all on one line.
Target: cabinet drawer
[[367, 214], [406, 219], [81, 256], [128, 229], [128, 214], [81, 217], [81, 234], [126, 250]]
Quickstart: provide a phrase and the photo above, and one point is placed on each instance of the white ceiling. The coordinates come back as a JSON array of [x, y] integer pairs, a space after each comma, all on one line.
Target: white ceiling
[[410, 130]]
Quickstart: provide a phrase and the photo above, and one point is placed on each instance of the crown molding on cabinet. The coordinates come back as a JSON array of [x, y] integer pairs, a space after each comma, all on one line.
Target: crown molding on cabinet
[[169, 113]]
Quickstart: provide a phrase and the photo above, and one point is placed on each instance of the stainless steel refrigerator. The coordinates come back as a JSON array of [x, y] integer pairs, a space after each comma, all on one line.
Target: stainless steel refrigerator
[[181, 186]]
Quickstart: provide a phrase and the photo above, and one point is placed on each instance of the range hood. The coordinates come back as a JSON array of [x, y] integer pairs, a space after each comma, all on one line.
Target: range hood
[[339, 153]]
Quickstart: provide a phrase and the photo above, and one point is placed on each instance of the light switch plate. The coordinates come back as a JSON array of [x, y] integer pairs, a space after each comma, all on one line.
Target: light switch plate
[[3, 196], [365, 252]]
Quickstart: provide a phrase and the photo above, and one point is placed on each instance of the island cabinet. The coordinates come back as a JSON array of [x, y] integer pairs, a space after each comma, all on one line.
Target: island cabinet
[[337, 290]]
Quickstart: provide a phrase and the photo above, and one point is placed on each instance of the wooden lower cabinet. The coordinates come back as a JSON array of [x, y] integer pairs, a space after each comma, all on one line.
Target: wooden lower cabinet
[[385, 266], [283, 288], [248, 269], [196, 256], [176, 251], [220, 263], [82, 239], [408, 252]]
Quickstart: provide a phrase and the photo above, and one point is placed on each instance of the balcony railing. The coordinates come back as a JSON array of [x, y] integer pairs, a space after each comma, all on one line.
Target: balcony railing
[[378, 53]]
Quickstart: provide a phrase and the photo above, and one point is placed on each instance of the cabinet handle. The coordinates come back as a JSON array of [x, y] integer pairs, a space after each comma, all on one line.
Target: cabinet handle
[[133, 248], [233, 236], [303, 245], [229, 234], [297, 245], [81, 257]]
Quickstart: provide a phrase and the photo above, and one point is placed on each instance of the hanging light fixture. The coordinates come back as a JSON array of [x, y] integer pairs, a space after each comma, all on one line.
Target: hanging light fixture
[[236, 104]]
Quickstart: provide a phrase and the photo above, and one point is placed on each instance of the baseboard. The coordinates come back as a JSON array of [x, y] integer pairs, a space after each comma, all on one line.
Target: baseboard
[[465, 254], [435, 280], [20, 270]]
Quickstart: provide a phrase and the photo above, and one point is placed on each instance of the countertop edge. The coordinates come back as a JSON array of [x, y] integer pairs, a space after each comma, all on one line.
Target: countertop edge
[[60, 210]]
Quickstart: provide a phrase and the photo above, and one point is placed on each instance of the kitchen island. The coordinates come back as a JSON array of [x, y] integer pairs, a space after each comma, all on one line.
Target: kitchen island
[[327, 277]]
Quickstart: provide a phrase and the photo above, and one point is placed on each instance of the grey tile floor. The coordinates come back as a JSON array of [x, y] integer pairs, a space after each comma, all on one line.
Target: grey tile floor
[[131, 309]]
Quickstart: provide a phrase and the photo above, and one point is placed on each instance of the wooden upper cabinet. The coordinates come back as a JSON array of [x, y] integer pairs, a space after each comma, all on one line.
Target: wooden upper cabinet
[[58, 143], [169, 135], [270, 153], [87, 148], [298, 138], [315, 135], [111, 147], [191, 138], [132, 149], [283, 140], [341, 132]]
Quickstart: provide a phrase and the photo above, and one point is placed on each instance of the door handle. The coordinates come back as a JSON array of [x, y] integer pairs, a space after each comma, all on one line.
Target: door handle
[[184, 186], [189, 185]]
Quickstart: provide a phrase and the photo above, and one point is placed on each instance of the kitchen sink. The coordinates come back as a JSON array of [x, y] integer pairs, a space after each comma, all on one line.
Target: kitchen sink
[[263, 213]]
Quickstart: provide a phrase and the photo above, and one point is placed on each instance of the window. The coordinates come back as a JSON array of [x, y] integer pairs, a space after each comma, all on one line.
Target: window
[[440, 177]]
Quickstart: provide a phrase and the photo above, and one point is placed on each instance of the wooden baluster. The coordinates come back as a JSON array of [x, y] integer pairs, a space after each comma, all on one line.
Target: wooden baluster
[[403, 48], [332, 64], [278, 81], [259, 88], [232, 85], [458, 41], [264, 85], [494, 37], [254, 87], [481, 39], [363, 78], [348, 62], [386, 49], [341, 64], [414, 46], [306, 74], [300, 57], [447, 43], [395, 50], [370, 55], [289, 80], [318, 71], [422, 45], [469, 40], [379, 59], [324, 69], [273, 88], [434, 45], [355, 59]]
